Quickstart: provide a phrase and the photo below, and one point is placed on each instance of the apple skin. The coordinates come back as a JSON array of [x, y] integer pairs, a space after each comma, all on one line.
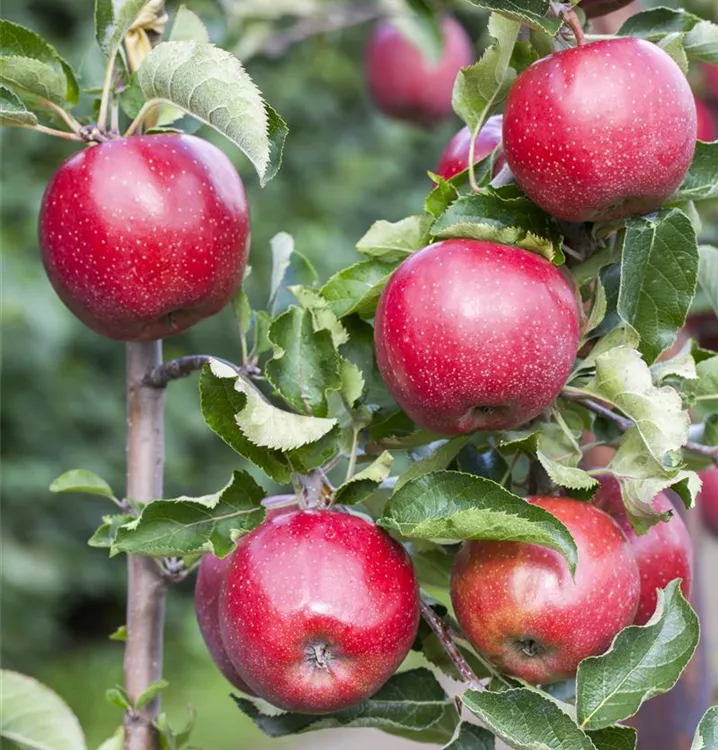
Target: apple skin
[[404, 83], [708, 500], [520, 608], [596, 8], [602, 131], [706, 125], [210, 576], [474, 335], [318, 609], [455, 158], [143, 237], [664, 553]]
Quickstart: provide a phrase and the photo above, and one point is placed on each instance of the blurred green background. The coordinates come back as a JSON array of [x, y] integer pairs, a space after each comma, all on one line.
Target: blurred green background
[[63, 386]]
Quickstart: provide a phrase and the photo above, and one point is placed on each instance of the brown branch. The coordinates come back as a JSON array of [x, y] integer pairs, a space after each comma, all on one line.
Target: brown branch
[[442, 633], [164, 373], [146, 585]]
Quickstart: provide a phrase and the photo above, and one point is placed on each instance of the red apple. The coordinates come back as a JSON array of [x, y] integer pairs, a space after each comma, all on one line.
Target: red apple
[[665, 552], [408, 85], [142, 237], [711, 76], [706, 128], [318, 609], [596, 8], [455, 158], [519, 606], [474, 335], [601, 131], [210, 576], [708, 500]]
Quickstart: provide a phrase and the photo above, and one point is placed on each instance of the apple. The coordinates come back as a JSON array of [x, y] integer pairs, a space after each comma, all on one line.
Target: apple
[[475, 335], [602, 131], [706, 128], [455, 158], [210, 576], [519, 606], [708, 500], [596, 8], [318, 609], [664, 553], [711, 76], [404, 82], [143, 237]]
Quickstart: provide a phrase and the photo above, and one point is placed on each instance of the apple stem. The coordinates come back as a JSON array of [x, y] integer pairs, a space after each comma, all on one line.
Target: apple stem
[[146, 584], [70, 121], [442, 633], [136, 124], [472, 152], [56, 133], [570, 18]]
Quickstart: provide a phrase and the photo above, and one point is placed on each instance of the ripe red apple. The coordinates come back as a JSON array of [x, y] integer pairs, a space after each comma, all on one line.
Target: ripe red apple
[[520, 608], [318, 609], [596, 8], [708, 500], [210, 576], [474, 335], [601, 131], [405, 83], [143, 237], [711, 75], [664, 553], [706, 128], [455, 158]]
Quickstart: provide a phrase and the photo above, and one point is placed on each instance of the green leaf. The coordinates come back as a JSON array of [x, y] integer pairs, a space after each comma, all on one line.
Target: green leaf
[[672, 45], [323, 316], [559, 454], [643, 661], [470, 737], [105, 535], [701, 181], [360, 351], [705, 386], [116, 742], [394, 241], [439, 459], [432, 563], [242, 311], [82, 481], [410, 701], [189, 525], [708, 273], [220, 401], [153, 689], [534, 13], [117, 696], [34, 717], [264, 424], [305, 364], [357, 288], [659, 271], [658, 22], [614, 738], [449, 505], [624, 380], [363, 483], [29, 63], [13, 111], [352, 382], [701, 42], [502, 215], [485, 84], [527, 720], [681, 365], [212, 86], [119, 635], [707, 733], [188, 27], [282, 247], [113, 19]]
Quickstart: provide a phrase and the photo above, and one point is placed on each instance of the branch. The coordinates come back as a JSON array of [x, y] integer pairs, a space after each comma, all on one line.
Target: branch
[[442, 633], [146, 584], [709, 451], [164, 373]]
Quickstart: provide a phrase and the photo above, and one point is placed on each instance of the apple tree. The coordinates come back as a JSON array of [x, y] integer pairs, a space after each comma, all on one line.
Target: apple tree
[[448, 561]]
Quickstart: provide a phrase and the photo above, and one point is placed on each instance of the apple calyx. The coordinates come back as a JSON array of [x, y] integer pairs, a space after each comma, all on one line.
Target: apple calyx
[[530, 647], [319, 656]]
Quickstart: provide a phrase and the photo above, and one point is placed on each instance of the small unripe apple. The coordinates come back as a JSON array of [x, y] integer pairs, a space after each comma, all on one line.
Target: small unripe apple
[[663, 553], [708, 500], [455, 158], [519, 606], [601, 131], [318, 609], [210, 577], [596, 8], [474, 335], [404, 82], [143, 237]]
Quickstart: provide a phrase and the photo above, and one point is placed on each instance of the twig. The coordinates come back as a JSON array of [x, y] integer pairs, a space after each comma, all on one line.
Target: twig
[[146, 585], [442, 633], [70, 121], [472, 157], [53, 131], [107, 90], [709, 451], [163, 374]]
